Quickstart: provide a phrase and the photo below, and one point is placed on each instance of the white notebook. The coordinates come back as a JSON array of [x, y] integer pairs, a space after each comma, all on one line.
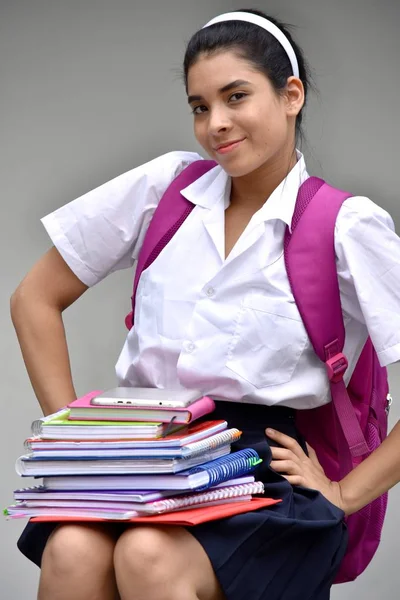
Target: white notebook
[[39, 492], [188, 451], [126, 510], [29, 467]]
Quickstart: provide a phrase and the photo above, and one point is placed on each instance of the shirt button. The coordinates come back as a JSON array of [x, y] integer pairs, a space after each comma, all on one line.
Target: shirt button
[[190, 347], [210, 292]]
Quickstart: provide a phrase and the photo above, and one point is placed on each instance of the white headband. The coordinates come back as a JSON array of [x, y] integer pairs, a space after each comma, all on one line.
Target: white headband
[[265, 24]]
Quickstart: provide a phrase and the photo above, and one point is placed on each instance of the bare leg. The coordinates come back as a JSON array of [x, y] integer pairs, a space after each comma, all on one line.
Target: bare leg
[[78, 563], [163, 563]]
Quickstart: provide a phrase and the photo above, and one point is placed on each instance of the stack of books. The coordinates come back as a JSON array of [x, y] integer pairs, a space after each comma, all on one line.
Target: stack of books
[[128, 463]]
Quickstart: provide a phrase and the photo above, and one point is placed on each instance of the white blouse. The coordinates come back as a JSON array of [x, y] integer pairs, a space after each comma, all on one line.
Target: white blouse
[[230, 327]]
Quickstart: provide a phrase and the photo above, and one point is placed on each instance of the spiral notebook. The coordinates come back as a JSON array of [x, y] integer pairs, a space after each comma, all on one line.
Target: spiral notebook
[[82, 508], [198, 478], [39, 492], [187, 451]]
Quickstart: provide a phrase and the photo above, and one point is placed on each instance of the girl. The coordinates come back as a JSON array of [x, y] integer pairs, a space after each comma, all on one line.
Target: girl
[[215, 311]]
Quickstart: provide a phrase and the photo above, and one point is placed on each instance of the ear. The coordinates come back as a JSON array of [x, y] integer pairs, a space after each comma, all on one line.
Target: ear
[[294, 96]]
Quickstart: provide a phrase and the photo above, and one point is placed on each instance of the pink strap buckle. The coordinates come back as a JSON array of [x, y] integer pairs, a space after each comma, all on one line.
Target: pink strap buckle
[[336, 367]]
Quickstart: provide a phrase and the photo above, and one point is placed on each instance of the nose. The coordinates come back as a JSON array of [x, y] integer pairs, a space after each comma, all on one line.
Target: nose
[[219, 121]]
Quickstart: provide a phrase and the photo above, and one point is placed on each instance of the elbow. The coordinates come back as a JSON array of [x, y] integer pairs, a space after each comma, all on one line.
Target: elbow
[[23, 303], [16, 302], [28, 301]]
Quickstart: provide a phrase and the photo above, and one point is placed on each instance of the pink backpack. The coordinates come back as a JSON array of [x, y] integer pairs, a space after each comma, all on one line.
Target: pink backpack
[[348, 429]]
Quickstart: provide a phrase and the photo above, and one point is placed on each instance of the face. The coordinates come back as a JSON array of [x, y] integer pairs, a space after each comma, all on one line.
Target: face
[[239, 119]]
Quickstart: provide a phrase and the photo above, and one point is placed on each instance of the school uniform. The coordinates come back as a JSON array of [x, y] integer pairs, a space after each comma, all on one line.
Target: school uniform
[[231, 328]]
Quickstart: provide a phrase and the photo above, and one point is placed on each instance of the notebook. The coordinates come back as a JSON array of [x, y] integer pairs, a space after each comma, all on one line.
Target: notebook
[[186, 435], [39, 492], [61, 414], [27, 466], [184, 518], [188, 451], [37, 424], [33, 508], [210, 474], [60, 428], [81, 410]]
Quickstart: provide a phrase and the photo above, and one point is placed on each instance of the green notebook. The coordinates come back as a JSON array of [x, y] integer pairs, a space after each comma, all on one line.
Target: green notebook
[[58, 427]]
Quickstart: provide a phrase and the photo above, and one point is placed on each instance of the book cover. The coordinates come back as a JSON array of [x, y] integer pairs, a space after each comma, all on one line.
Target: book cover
[[217, 495], [104, 451], [204, 476], [81, 410], [35, 467], [185, 435]]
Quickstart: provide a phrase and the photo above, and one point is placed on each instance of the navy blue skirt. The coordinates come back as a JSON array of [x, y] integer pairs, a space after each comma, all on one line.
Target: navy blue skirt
[[290, 551]]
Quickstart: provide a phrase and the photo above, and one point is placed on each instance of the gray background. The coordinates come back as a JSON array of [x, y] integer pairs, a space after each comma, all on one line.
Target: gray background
[[90, 89]]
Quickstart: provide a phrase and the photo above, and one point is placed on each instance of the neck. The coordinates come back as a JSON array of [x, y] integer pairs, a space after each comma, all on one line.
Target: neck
[[254, 189]]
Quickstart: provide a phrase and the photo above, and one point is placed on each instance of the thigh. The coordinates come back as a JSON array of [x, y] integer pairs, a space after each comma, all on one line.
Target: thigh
[[177, 560]]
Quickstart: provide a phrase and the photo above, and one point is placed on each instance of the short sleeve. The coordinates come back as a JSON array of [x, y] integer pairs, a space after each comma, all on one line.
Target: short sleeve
[[368, 261], [103, 230]]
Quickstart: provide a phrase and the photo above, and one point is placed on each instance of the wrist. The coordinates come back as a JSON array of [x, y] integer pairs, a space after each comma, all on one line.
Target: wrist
[[336, 496], [349, 502]]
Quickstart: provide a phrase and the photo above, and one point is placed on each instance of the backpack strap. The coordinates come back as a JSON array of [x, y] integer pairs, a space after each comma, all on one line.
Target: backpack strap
[[311, 267], [169, 215]]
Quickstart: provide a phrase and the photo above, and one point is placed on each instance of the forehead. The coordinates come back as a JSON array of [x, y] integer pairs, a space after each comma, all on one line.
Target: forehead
[[218, 69]]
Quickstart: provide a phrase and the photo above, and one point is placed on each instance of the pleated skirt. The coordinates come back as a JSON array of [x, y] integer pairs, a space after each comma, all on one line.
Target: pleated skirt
[[289, 551]]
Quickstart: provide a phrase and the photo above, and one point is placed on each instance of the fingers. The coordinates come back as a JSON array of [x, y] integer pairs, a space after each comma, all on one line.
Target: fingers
[[283, 454], [285, 461], [295, 479], [286, 441], [289, 467]]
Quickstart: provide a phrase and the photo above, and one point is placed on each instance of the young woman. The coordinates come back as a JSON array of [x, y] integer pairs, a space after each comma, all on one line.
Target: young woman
[[215, 311]]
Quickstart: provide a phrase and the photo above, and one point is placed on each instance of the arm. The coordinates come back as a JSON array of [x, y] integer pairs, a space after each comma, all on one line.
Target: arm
[[36, 310], [369, 480], [374, 476], [98, 233], [368, 252]]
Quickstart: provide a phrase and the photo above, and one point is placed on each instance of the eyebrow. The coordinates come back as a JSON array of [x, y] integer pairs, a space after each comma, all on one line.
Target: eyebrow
[[226, 88]]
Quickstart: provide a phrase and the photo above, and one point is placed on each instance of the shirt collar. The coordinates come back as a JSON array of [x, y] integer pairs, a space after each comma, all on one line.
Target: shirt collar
[[209, 188], [215, 185]]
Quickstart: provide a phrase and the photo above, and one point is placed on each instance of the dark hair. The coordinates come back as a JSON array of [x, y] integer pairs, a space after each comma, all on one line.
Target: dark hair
[[254, 44]]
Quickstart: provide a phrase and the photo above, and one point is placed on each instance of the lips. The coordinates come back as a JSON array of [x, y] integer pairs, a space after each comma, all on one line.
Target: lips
[[228, 146]]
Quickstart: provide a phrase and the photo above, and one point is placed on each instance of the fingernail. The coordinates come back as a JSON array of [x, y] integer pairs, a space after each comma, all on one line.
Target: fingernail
[[270, 431]]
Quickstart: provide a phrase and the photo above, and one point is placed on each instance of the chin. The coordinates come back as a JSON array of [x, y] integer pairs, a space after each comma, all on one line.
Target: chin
[[238, 168]]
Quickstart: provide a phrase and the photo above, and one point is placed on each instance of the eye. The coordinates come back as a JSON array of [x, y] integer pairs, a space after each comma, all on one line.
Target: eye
[[198, 110], [237, 96]]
